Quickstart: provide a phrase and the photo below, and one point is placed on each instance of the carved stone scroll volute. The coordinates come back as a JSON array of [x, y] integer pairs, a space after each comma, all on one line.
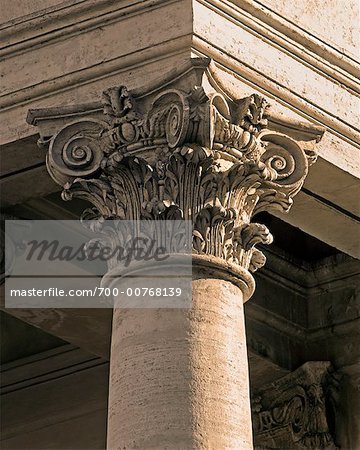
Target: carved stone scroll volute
[[191, 153], [291, 412]]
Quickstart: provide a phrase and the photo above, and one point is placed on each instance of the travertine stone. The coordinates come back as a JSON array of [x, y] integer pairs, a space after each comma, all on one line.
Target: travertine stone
[[334, 23], [184, 147], [179, 378], [47, 60]]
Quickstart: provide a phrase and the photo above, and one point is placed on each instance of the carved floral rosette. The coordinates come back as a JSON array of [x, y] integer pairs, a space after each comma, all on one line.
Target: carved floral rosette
[[183, 154]]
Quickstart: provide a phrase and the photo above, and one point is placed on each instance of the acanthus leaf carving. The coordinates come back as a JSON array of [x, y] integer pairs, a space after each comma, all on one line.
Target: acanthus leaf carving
[[189, 154], [252, 113]]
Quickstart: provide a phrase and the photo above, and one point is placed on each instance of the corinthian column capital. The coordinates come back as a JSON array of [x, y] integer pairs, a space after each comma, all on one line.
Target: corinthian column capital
[[291, 412], [185, 148]]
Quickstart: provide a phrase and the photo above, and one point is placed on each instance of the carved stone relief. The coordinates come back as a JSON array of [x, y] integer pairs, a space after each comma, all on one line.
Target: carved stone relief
[[183, 151], [291, 412]]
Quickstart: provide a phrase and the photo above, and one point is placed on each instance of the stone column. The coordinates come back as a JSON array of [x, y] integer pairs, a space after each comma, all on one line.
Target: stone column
[[185, 148], [179, 377]]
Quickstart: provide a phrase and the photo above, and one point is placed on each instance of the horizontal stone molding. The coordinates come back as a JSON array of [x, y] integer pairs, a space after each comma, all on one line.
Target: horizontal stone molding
[[342, 228], [307, 278], [296, 333], [46, 366], [58, 21], [103, 69], [291, 38], [270, 87], [54, 24], [58, 24]]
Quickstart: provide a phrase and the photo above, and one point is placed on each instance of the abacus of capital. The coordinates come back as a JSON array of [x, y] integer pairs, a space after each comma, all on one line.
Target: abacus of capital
[[184, 148]]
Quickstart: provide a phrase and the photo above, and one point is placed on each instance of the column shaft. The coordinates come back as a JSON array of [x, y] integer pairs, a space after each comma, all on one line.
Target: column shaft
[[179, 378]]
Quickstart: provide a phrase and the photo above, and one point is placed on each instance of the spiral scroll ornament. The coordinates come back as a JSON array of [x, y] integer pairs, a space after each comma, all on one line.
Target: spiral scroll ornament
[[174, 126], [285, 160], [76, 151], [169, 117], [185, 153]]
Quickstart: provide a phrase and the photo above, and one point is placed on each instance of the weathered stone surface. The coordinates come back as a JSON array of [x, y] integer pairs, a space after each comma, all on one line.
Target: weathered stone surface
[[263, 50], [292, 411], [154, 146], [179, 378], [297, 81], [329, 19], [343, 396], [47, 62], [182, 148], [13, 10]]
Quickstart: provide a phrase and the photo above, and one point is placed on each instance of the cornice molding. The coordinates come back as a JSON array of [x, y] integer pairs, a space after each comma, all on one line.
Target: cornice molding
[[309, 279], [177, 47], [304, 131], [273, 89], [59, 22], [104, 69], [295, 332], [289, 37], [23, 33]]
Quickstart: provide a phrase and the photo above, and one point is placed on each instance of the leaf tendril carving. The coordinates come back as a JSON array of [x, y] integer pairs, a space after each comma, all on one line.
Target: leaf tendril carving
[[190, 154]]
